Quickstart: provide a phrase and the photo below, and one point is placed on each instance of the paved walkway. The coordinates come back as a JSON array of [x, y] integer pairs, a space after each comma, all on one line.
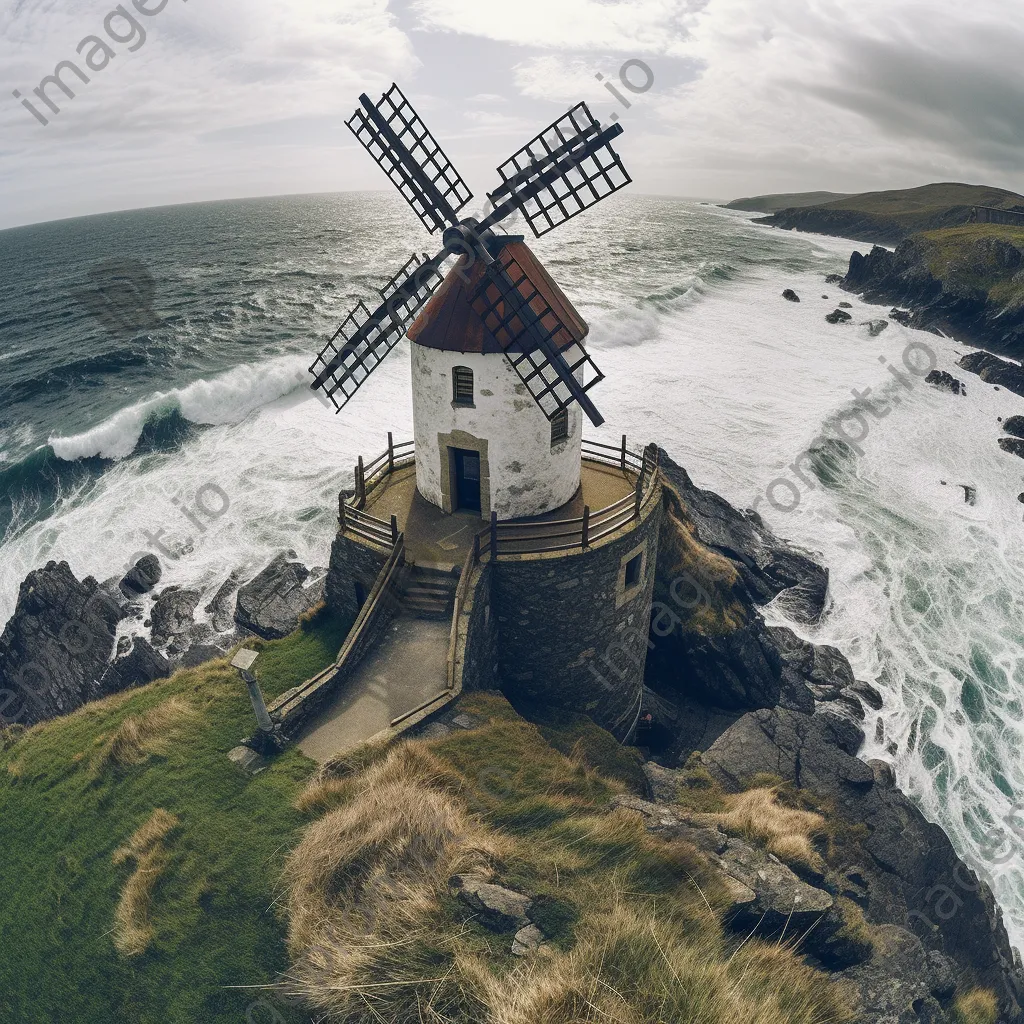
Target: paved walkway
[[406, 668]]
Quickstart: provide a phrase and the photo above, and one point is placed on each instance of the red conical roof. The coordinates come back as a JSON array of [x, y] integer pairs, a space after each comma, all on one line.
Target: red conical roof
[[448, 321]]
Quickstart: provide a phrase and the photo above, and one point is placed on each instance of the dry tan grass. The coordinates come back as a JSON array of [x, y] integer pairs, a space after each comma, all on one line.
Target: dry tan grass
[[133, 930], [979, 1006], [141, 736], [373, 939], [784, 831], [714, 608]]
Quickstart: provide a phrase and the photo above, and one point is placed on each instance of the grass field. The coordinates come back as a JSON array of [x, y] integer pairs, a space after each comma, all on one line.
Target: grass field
[[197, 892], [965, 257]]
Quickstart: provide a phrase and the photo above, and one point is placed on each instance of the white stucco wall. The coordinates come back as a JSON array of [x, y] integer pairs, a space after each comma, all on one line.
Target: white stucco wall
[[525, 475]]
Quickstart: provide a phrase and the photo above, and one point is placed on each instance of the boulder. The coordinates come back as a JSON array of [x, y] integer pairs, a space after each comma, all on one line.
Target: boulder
[[838, 316], [875, 327], [172, 614], [970, 494], [500, 909], [994, 370], [1013, 445], [901, 316], [1015, 426], [663, 820], [833, 279], [141, 578], [221, 608], [790, 295], [56, 646], [527, 940], [846, 305], [270, 604], [141, 664], [946, 381]]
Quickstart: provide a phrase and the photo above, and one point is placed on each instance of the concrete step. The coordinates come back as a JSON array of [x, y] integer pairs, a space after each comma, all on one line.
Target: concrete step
[[429, 593]]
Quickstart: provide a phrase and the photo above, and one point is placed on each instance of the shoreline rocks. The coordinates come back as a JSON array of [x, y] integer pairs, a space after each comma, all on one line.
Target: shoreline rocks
[[270, 604]]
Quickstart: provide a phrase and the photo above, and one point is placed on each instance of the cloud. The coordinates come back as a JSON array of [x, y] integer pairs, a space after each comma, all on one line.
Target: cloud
[[614, 26]]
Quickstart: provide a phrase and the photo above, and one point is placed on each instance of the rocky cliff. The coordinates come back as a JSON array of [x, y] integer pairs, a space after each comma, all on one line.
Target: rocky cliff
[[967, 282], [892, 909]]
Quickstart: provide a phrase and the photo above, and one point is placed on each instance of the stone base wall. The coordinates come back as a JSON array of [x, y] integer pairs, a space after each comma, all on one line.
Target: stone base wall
[[351, 563], [477, 649], [571, 634]]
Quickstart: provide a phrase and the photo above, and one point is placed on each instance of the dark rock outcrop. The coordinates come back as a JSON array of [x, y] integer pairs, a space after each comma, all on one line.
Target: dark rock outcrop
[[1013, 445], [172, 615], [839, 316], [846, 305], [913, 879], [970, 494], [946, 382], [142, 577], [876, 326], [790, 295], [955, 304], [1015, 426], [994, 370], [270, 604], [138, 666], [221, 608], [56, 646]]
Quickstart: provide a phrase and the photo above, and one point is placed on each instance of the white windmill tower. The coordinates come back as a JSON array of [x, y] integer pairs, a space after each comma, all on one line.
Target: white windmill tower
[[499, 372]]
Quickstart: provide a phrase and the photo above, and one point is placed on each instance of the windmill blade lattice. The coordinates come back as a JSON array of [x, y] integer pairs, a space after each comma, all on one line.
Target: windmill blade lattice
[[394, 135], [594, 175], [363, 340], [535, 340]]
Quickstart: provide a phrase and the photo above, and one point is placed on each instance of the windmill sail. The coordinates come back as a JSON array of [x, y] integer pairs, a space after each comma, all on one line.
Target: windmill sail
[[534, 339], [394, 135], [364, 339], [566, 169]]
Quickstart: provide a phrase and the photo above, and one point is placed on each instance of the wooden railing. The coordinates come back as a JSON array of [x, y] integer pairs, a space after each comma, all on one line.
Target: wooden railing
[[472, 558], [507, 537], [385, 591]]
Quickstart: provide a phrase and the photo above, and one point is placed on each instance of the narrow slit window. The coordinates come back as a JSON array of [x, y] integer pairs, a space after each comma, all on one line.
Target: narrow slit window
[[559, 426], [462, 385], [633, 567]]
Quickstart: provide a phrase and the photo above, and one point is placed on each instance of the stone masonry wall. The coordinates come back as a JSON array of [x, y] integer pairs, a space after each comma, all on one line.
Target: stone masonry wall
[[479, 656], [351, 563], [570, 635]]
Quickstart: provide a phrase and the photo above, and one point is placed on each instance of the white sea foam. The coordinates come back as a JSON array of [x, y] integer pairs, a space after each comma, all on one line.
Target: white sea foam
[[228, 398]]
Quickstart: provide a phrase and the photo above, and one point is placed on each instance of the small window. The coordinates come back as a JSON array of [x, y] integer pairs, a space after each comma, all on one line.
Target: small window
[[462, 385], [633, 567], [559, 426]]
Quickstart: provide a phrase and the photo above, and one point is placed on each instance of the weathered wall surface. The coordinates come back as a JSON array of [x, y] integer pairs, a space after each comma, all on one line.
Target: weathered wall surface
[[477, 648], [522, 475], [571, 634], [351, 563]]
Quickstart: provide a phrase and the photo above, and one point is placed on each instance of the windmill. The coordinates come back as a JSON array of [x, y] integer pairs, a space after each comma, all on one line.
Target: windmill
[[567, 168]]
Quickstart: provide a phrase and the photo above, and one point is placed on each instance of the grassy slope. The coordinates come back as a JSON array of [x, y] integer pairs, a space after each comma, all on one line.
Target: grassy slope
[[965, 258], [63, 815], [377, 935], [889, 217], [784, 201]]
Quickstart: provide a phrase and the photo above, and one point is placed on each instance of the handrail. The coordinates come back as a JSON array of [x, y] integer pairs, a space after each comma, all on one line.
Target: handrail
[[460, 599], [511, 537], [384, 579]]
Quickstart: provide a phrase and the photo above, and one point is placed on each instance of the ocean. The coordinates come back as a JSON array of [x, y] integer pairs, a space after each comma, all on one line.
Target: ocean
[[172, 413]]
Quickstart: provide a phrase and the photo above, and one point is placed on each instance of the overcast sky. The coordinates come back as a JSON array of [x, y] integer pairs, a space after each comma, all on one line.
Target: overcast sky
[[228, 98]]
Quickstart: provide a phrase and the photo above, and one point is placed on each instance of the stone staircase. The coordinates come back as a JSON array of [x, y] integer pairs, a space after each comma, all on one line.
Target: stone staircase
[[429, 593]]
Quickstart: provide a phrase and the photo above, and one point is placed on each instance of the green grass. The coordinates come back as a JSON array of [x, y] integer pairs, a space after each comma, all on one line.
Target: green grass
[[286, 663], [969, 258], [212, 909]]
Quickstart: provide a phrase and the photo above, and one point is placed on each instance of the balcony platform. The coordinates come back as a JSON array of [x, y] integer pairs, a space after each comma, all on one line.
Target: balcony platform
[[442, 540]]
